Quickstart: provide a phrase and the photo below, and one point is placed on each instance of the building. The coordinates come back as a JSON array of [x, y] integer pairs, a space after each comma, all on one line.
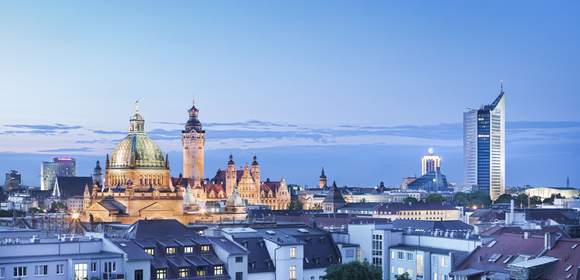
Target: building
[[138, 184], [484, 147], [432, 181], [419, 211], [65, 257], [59, 166], [71, 191], [333, 200], [522, 256], [13, 181], [548, 192], [430, 162], [285, 252], [322, 181], [426, 253]]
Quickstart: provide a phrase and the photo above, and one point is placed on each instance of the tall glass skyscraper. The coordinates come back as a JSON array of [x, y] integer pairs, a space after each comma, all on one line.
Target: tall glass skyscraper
[[59, 166], [484, 147]]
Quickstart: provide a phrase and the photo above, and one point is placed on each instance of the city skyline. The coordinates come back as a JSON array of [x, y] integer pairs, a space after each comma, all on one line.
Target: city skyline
[[293, 81]]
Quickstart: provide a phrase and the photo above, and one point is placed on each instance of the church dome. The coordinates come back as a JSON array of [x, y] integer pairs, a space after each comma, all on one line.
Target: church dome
[[235, 200], [137, 150]]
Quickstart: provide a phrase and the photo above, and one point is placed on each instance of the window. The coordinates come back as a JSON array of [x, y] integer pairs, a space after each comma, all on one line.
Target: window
[[205, 248], [393, 255], [81, 271], [420, 265], [59, 269], [2, 272], [349, 253], [200, 271], [400, 255], [218, 270], [93, 266], [110, 267], [40, 270], [239, 276], [435, 276], [293, 252], [400, 270], [161, 273], [239, 259], [170, 250], [183, 273], [410, 272], [139, 274], [292, 272], [442, 258], [20, 271], [150, 251], [188, 250], [409, 256]]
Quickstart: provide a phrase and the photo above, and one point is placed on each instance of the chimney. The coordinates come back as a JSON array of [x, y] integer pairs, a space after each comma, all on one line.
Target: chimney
[[550, 239], [526, 234]]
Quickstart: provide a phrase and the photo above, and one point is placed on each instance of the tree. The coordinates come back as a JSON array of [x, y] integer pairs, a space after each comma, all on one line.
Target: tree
[[504, 198], [296, 205], [434, 197], [353, 271], [535, 200], [461, 199], [404, 276], [410, 200]]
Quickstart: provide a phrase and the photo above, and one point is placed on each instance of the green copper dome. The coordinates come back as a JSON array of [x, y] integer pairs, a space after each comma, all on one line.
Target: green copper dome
[[137, 150]]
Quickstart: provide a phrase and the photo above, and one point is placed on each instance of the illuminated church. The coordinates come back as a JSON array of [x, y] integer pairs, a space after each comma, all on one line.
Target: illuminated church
[[137, 182]]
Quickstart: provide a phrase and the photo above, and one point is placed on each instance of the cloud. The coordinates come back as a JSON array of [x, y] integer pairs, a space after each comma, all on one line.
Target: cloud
[[67, 150], [109, 132], [49, 129]]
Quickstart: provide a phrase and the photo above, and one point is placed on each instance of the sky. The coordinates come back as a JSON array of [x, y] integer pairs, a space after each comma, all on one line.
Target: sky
[[361, 88]]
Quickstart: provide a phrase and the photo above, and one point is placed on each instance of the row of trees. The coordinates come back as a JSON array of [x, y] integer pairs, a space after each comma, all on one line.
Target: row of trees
[[358, 271]]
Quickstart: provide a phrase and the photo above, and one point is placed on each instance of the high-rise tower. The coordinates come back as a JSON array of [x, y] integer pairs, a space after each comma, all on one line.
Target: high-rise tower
[[484, 147], [430, 162], [193, 142]]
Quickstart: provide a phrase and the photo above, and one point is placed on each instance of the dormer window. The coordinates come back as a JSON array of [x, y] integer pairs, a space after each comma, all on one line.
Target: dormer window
[[218, 270], [187, 249], [204, 248], [150, 251], [170, 250]]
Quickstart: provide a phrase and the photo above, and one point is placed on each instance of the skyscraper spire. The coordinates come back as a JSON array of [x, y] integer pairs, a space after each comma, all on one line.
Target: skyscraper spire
[[501, 85]]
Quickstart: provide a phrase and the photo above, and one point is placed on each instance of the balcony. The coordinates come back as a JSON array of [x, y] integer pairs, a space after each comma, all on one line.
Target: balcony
[[111, 276]]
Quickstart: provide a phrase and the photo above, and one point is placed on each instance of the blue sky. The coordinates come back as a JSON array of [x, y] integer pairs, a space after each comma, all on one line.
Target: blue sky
[[304, 71]]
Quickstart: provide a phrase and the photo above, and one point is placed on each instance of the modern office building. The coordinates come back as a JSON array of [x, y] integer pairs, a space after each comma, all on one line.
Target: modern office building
[[59, 166], [430, 162], [13, 181], [484, 147]]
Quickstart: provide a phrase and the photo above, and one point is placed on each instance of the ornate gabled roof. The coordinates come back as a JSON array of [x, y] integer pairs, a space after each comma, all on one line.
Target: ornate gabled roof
[[334, 195]]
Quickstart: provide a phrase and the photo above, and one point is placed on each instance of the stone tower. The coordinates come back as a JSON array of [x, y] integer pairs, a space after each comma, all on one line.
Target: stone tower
[[98, 174], [231, 176], [322, 183], [255, 171], [193, 142]]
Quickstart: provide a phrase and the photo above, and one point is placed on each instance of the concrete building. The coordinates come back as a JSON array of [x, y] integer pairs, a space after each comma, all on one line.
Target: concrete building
[[59, 166], [65, 257], [418, 211], [484, 147], [13, 181], [548, 192]]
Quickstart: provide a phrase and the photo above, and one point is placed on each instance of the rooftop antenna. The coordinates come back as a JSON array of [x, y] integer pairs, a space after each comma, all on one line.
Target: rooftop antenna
[[501, 85]]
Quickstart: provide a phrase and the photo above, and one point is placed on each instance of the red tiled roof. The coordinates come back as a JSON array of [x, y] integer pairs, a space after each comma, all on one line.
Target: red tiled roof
[[567, 257]]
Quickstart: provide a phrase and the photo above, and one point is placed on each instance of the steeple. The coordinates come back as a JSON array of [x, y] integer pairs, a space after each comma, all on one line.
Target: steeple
[[231, 160], [322, 183], [137, 122], [254, 160], [193, 123]]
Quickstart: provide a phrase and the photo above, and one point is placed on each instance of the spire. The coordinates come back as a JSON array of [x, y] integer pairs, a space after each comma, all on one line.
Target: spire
[[322, 175], [193, 123], [501, 85], [167, 160], [137, 121], [231, 160], [137, 106]]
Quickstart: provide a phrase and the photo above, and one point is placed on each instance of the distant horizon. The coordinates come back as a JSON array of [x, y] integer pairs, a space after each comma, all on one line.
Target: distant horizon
[[362, 88]]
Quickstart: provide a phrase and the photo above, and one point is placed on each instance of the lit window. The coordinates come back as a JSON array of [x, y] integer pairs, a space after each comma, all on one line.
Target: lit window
[[170, 250], [59, 269], [161, 273], [205, 248], [183, 273], [442, 261], [200, 272], [150, 251], [292, 272], [81, 272], [188, 250], [218, 270], [293, 252]]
